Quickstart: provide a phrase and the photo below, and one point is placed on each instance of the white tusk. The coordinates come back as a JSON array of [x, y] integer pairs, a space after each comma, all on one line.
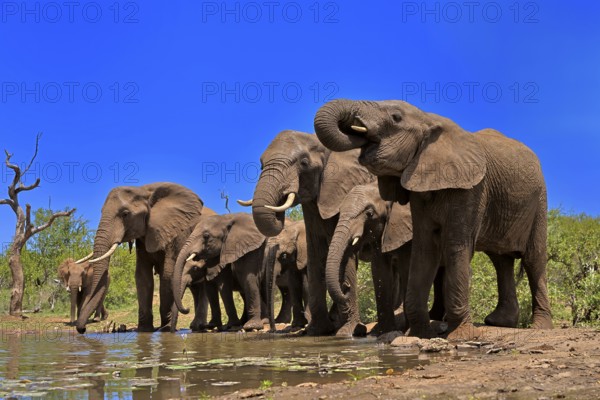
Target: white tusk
[[359, 128], [288, 204], [355, 240], [85, 258], [68, 289], [80, 288], [191, 257], [245, 203], [107, 254]]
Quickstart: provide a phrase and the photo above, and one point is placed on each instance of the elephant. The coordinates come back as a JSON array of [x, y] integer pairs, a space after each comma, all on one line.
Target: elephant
[[468, 192], [77, 279], [232, 250], [287, 268], [153, 216], [383, 233], [298, 169]]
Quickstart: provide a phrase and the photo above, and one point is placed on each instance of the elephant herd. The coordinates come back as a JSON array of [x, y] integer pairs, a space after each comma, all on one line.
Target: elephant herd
[[410, 192]]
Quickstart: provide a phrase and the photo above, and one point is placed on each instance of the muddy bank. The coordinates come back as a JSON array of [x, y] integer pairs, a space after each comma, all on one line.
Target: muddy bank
[[506, 363]]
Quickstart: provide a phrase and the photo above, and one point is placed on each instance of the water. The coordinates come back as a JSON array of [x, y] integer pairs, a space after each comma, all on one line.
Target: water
[[164, 365]]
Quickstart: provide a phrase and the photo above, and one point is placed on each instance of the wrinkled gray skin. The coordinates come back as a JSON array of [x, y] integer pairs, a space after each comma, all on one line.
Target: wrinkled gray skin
[[382, 232], [467, 192], [153, 216], [235, 241], [296, 162], [287, 267], [77, 279]]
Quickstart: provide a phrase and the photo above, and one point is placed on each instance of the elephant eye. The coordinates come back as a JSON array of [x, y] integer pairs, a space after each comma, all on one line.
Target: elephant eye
[[369, 213], [206, 235], [397, 117], [125, 213], [304, 162]]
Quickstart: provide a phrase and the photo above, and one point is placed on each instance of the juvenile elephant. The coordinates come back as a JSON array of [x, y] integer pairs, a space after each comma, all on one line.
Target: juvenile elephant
[[298, 169], [153, 216], [383, 233], [287, 269], [232, 249], [77, 279], [467, 192]]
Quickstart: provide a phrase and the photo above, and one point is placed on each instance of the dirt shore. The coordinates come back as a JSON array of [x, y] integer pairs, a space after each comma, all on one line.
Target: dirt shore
[[504, 363]]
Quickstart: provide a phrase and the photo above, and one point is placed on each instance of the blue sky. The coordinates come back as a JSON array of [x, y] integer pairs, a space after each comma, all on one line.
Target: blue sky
[[133, 92]]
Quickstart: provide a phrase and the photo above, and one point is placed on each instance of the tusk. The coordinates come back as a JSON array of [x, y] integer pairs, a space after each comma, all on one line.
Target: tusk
[[191, 257], [80, 288], [290, 200], [245, 203], [85, 258], [355, 240], [68, 289], [107, 254], [358, 128]]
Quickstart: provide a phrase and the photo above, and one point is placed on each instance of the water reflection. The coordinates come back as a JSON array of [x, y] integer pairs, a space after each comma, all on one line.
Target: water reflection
[[164, 365]]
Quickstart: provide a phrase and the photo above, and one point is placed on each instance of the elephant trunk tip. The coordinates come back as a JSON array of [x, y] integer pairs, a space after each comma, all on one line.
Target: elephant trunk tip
[[81, 329]]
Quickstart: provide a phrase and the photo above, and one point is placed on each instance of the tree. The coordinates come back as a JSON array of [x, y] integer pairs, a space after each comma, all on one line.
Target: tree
[[24, 229]]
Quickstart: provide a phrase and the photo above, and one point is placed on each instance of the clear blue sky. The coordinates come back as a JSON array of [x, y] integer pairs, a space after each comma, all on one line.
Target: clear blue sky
[[192, 92]]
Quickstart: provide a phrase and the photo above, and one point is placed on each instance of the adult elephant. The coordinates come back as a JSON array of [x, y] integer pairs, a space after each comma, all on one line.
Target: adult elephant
[[298, 169], [153, 216], [77, 278], [287, 268], [467, 192], [228, 244]]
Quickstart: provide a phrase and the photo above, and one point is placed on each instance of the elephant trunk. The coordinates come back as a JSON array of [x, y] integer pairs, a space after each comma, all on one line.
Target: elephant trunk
[[269, 192], [270, 259], [178, 282], [333, 273], [331, 118], [108, 233], [74, 291]]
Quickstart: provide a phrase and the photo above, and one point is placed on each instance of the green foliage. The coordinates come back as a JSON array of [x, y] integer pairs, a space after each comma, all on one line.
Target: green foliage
[[295, 213], [266, 384], [366, 293]]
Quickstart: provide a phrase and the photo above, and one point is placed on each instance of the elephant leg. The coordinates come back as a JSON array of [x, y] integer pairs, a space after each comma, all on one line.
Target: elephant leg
[[381, 271], [306, 297], [437, 310], [166, 301], [144, 283], [349, 314], [253, 303], [295, 294], [319, 324], [226, 290], [212, 293], [507, 310], [285, 314], [200, 304], [534, 262], [424, 261]]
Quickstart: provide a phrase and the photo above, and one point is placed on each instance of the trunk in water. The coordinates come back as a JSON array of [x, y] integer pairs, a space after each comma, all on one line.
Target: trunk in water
[[333, 273], [328, 120], [268, 192], [74, 297], [102, 243]]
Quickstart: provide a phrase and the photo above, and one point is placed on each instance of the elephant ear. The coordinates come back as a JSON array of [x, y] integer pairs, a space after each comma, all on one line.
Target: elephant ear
[[63, 271], [173, 208], [342, 172], [301, 248], [450, 158], [242, 238], [398, 229]]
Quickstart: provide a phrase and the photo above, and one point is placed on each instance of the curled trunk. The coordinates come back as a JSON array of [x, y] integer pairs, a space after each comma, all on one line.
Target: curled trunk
[[329, 120], [268, 192]]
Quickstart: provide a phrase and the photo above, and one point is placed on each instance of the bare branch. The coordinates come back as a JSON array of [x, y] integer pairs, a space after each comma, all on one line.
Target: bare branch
[[54, 216], [23, 188], [37, 143], [6, 201], [17, 177], [27, 217]]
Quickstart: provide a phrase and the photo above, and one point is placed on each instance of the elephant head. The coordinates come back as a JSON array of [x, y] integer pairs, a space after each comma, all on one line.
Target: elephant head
[[297, 168], [366, 220], [225, 238], [155, 213], [404, 146], [75, 278]]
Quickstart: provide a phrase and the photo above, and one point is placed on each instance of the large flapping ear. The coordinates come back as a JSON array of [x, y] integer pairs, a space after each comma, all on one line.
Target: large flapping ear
[[242, 238], [450, 158], [342, 172], [301, 246], [398, 229], [173, 208]]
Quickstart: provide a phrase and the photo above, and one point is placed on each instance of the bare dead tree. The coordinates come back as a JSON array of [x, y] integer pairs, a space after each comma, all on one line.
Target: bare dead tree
[[225, 197], [24, 228]]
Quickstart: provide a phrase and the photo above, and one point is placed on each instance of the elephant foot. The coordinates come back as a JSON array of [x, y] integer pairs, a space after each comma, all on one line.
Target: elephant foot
[[214, 323], [231, 326], [423, 331], [437, 313], [542, 322], [322, 328], [299, 322], [381, 328], [96, 319], [464, 331], [504, 316], [104, 317], [145, 328], [283, 319], [165, 328], [352, 328], [254, 324]]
